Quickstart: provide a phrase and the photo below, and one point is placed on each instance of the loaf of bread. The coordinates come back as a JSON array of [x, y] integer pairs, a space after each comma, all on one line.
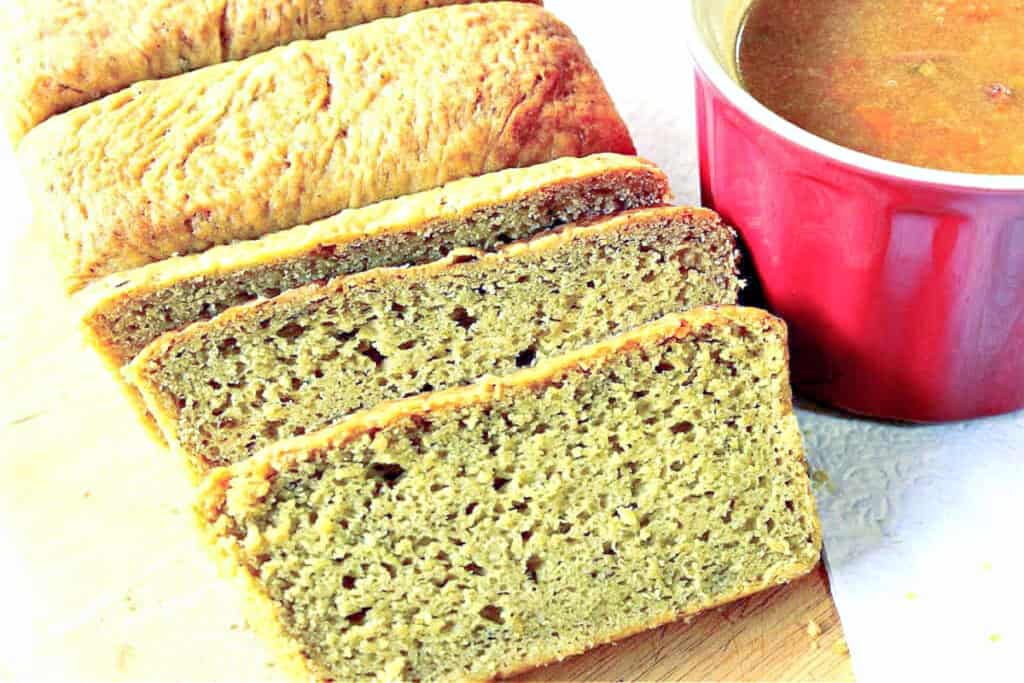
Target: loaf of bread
[[128, 310], [222, 389], [65, 53], [488, 529], [290, 136]]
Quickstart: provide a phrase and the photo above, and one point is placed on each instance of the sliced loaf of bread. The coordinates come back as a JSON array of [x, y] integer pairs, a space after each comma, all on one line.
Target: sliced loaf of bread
[[483, 530], [128, 310], [222, 389], [287, 137]]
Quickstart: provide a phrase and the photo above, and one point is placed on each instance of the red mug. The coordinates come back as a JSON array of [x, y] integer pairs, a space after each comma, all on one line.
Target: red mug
[[903, 287]]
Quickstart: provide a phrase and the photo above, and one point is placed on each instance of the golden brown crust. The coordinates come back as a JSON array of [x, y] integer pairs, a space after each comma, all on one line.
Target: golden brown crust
[[149, 423], [289, 454], [399, 219], [158, 408], [66, 53], [135, 399], [261, 611], [239, 150]]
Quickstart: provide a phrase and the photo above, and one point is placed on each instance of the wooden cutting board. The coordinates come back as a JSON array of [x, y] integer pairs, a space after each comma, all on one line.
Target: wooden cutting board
[[105, 579]]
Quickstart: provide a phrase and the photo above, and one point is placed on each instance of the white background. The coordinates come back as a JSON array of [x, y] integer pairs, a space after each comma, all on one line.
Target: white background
[[923, 524]]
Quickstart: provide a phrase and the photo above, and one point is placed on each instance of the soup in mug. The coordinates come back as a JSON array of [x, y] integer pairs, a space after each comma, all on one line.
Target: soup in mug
[[933, 83]]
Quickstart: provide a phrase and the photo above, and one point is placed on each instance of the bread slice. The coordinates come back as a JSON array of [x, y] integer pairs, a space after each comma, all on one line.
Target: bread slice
[[65, 53], [290, 136], [483, 530], [222, 389], [126, 311]]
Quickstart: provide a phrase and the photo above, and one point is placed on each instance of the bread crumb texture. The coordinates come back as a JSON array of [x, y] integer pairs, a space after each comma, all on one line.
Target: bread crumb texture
[[66, 53], [223, 389], [290, 136], [484, 530], [128, 310]]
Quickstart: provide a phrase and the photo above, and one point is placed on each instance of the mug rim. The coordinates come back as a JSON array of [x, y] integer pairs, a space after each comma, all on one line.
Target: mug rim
[[712, 69]]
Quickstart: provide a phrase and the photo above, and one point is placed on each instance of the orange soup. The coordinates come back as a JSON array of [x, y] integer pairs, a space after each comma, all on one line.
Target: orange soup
[[934, 83]]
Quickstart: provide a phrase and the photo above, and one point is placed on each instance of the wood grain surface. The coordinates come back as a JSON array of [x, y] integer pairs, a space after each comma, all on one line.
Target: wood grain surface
[[762, 638], [110, 584]]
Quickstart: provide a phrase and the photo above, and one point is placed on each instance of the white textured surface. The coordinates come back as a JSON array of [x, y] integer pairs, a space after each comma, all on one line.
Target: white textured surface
[[922, 524], [923, 544]]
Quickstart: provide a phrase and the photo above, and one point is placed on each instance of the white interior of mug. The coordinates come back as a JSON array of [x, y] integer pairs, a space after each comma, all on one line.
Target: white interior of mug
[[711, 29]]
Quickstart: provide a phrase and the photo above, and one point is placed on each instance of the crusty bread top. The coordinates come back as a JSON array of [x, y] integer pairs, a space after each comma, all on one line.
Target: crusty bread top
[[287, 454], [65, 53], [239, 150], [407, 214]]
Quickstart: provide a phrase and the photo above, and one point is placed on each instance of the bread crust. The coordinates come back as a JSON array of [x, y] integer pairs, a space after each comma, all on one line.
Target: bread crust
[[163, 406], [411, 216], [65, 53], [287, 454], [287, 137]]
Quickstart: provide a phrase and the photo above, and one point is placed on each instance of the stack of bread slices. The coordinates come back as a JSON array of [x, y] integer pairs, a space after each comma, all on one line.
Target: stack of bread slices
[[462, 392]]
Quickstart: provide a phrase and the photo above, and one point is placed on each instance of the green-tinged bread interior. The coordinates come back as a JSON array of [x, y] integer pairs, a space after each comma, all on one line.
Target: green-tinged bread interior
[[491, 528], [134, 308], [223, 389]]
